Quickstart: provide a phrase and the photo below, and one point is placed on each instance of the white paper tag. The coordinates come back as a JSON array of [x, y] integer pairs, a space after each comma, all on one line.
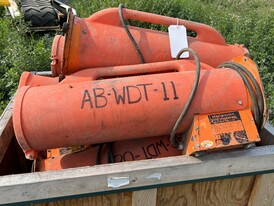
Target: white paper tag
[[178, 40]]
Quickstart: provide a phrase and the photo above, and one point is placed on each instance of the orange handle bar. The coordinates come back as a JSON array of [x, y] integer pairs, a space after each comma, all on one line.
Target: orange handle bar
[[204, 32], [136, 70]]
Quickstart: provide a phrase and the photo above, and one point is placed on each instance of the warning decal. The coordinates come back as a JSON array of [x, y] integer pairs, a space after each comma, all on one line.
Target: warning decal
[[228, 126], [240, 136], [225, 117], [225, 138]]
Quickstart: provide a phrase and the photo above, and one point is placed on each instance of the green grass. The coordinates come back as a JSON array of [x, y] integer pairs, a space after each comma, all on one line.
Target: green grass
[[19, 51], [248, 22]]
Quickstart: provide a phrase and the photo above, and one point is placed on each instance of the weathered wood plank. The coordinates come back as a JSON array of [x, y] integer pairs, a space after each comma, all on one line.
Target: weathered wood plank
[[234, 191], [144, 197], [117, 199], [6, 129], [263, 191], [138, 174]]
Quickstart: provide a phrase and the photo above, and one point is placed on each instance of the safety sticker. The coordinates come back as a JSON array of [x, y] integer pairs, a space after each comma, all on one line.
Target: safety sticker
[[207, 143], [225, 117], [225, 138], [241, 136], [226, 127]]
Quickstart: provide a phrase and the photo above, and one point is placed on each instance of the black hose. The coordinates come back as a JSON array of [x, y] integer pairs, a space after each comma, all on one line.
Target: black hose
[[256, 96], [191, 96], [258, 91], [110, 153], [98, 158], [121, 6]]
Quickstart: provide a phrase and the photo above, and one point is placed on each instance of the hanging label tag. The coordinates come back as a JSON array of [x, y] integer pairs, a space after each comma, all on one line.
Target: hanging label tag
[[178, 40]]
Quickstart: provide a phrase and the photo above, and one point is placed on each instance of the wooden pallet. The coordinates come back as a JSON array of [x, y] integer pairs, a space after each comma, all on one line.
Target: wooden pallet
[[240, 177]]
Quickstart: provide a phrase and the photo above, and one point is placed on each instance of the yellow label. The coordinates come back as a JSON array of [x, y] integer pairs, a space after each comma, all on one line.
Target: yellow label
[[207, 143]]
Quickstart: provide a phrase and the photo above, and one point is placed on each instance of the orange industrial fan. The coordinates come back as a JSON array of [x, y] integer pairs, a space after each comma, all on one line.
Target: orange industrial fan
[[100, 41], [106, 107]]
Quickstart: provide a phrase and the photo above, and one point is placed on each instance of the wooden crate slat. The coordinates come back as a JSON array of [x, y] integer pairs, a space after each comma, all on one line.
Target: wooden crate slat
[[6, 129], [263, 191], [91, 180], [144, 197], [234, 191]]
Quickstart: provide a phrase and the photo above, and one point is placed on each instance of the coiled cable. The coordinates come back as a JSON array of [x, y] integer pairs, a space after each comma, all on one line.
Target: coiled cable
[[253, 88], [173, 141], [120, 9]]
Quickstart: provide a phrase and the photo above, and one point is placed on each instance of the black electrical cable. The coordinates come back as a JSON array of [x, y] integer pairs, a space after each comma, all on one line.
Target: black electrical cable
[[256, 96], [252, 95], [191, 96], [110, 153], [260, 97], [258, 106], [120, 8], [98, 158]]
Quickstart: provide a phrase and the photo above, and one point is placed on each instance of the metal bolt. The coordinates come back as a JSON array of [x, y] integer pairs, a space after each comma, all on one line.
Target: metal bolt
[[84, 31], [240, 102], [181, 146]]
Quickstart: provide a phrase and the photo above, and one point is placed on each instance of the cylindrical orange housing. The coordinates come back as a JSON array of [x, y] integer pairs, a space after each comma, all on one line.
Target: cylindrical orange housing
[[30, 79], [113, 109], [100, 41], [128, 150]]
